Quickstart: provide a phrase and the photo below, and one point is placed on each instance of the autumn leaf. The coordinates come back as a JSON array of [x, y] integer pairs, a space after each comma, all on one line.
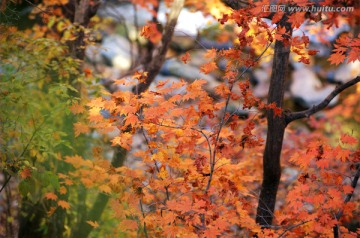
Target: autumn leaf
[[297, 19], [80, 128], [185, 58], [25, 173], [224, 19], [348, 189], [63, 190], [347, 139], [304, 60], [87, 72], [209, 67], [76, 108], [163, 174], [51, 196], [105, 188], [336, 58], [341, 154], [151, 32], [94, 224], [129, 224], [312, 52], [210, 54], [63, 204]]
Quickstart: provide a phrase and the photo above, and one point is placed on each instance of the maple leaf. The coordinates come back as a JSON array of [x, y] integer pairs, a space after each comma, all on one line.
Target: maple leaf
[[341, 154], [304, 60], [151, 32], [124, 140], [94, 224], [51, 196], [312, 52], [353, 55], [51, 211], [63, 204], [210, 54], [347, 139], [212, 232], [224, 19], [76, 108], [171, 231], [80, 128], [105, 188], [68, 182], [323, 163], [129, 224], [336, 58], [63, 190], [209, 67], [297, 19], [25, 173], [348, 189], [280, 32], [185, 58], [163, 174]]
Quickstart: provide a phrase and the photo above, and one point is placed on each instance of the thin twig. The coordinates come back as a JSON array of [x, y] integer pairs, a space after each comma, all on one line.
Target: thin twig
[[347, 199], [293, 227], [143, 214]]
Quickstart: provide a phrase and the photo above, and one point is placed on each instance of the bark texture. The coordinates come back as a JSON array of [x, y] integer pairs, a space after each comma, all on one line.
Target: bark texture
[[275, 133]]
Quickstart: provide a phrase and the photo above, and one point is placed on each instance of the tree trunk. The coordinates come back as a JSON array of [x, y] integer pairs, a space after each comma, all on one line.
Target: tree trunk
[[275, 133]]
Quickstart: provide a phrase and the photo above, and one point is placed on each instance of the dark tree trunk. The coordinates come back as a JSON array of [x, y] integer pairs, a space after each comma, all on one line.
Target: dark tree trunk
[[275, 133]]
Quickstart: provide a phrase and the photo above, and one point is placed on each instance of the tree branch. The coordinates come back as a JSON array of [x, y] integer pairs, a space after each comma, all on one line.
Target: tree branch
[[307, 113], [157, 61], [347, 199]]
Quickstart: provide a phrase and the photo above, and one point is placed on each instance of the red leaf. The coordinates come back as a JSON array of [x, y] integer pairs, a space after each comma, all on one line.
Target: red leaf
[[347, 139], [185, 58], [336, 58]]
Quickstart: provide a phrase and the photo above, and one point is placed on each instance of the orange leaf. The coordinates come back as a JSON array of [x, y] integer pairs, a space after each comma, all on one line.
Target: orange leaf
[[105, 188], [342, 154], [25, 173], [63, 190], [336, 58], [76, 108], [80, 128], [63, 204], [209, 67], [185, 58], [210, 54], [51, 196], [151, 32], [87, 72], [129, 224]]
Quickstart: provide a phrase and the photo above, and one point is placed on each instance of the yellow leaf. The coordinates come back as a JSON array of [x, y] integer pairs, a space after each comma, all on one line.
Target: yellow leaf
[[163, 173], [105, 188], [94, 224]]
